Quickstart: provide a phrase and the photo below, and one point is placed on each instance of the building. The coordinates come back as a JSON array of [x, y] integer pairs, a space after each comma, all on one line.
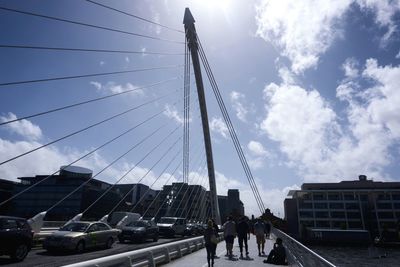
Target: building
[[93, 197], [348, 205], [230, 205], [6, 192]]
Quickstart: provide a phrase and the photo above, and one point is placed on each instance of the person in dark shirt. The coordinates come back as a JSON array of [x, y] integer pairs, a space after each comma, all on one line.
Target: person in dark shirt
[[216, 228], [278, 254], [243, 231], [210, 240], [267, 229]]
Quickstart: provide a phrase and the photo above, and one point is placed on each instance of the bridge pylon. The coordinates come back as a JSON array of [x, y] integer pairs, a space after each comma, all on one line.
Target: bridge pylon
[[192, 42]]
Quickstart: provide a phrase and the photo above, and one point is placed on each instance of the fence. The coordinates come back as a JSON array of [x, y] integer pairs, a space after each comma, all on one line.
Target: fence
[[300, 254], [147, 256]]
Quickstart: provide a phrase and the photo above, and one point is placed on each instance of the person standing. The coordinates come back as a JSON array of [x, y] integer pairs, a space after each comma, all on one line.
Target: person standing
[[243, 231], [267, 229], [217, 234], [259, 231], [210, 240], [229, 234]]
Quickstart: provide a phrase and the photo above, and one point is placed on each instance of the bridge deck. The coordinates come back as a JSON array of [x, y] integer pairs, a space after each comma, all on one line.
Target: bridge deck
[[199, 258]]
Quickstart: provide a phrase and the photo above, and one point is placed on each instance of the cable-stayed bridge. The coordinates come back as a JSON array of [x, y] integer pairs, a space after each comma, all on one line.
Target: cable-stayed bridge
[[177, 154]]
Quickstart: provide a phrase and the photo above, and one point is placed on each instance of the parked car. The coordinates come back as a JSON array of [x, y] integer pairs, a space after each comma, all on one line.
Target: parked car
[[117, 216], [15, 237], [79, 236], [171, 226], [191, 229], [139, 231]]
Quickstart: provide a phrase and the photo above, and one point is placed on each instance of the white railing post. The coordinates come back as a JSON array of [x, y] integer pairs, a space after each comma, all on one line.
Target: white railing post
[[167, 256], [150, 259]]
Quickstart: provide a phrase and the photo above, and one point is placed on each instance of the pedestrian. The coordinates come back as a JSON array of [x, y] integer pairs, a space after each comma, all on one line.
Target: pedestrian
[[210, 239], [243, 232], [278, 254], [267, 229], [229, 234], [216, 228], [259, 231]]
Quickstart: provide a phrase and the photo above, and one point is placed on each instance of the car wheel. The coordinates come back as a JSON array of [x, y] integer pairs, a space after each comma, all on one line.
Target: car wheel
[[110, 242], [20, 252], [80, 247], [155, 238]]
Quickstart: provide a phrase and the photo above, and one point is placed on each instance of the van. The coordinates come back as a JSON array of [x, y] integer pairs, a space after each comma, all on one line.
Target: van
[[171, 226]]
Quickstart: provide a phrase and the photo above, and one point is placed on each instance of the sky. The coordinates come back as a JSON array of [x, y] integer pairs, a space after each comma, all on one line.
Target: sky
[[312, 89]]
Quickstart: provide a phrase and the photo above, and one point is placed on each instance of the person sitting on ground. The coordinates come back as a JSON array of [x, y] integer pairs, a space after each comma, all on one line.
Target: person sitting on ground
[[278, 254]]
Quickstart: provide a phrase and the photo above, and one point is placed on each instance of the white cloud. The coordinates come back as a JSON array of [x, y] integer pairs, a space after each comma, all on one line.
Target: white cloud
[[350, 68], [217, 125], [325, 147], [256, 148], [238, 102], [304, 30], [398, 55], [172, 113], [24, 128], [114, 88]]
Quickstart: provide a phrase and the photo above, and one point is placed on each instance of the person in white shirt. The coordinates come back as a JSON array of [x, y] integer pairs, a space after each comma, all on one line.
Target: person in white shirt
[[229, 234], [259, 231]]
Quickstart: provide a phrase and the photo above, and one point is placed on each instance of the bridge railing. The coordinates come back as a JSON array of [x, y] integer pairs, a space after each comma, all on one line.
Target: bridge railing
[[150, 256], [300, 254]]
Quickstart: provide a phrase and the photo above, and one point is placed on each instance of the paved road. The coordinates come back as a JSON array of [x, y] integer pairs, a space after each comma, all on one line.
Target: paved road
[[41, 258]]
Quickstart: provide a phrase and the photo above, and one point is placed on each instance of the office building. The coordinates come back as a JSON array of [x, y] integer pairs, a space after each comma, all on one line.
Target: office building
[[348, 205]]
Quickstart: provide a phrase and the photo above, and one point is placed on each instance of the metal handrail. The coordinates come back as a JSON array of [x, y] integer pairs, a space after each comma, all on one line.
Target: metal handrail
[[150, 256], [300, 254]]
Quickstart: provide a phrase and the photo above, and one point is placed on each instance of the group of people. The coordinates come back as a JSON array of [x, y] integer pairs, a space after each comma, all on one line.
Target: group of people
[[242, 229]]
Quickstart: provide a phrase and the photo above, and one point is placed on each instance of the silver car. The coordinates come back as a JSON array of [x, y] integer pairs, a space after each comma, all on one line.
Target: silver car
[[79, 236]]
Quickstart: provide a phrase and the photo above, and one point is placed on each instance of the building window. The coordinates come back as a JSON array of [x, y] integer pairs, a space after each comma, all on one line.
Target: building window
[[337, 214], [352, 206], [353, 215], [322, 224], [321, 214], [334, 196], [355, 225], [384, 196], [320, 205], [385, 215], [396, 196], [319, 196], [349, 197], [364, 197], [305, 205], [384, 206], [306, 214], [336, 205], [396, 205], [339, 225], [307, 223]]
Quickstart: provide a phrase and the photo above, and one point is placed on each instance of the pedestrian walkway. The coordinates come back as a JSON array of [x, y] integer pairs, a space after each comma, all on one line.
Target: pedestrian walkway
[[199, 258]]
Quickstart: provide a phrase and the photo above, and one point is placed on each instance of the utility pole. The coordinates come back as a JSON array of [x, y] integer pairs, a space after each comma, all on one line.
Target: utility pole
[[191, 38]]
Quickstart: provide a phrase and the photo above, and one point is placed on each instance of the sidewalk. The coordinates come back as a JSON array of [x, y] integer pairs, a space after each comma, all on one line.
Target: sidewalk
[[199, 258]]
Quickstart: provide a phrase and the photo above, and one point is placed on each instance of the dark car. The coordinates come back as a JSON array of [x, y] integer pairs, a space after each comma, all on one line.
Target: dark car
[[139, 231], [15, 237]]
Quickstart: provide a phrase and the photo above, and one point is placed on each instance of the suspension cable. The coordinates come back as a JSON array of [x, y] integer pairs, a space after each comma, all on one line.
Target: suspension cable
[[130, 170], [89, 50], [88, 75], [84, 129], [231, 130], [155, 181], [85, 155], [85, 102], [87, 25], [110, 164], [158, 194], [134, 16]]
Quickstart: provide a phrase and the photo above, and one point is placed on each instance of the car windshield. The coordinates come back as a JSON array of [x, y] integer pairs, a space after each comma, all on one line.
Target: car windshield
[[138, 224], [168, 220], [75, 227]]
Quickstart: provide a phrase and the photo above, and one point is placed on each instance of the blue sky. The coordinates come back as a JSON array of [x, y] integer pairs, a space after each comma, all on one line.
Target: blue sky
[[311, 87]]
